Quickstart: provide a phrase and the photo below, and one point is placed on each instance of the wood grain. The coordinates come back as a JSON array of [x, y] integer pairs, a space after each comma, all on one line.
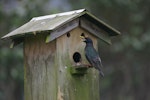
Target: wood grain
[[40, 70]]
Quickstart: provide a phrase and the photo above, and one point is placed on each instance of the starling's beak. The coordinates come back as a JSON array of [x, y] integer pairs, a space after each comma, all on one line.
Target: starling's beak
[[83, 38]]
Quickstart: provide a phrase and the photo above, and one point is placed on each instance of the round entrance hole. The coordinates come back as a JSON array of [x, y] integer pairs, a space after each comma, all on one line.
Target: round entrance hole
[[77, 57]]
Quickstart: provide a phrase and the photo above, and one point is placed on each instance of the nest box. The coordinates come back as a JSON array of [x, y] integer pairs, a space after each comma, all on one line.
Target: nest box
[[53, 48]]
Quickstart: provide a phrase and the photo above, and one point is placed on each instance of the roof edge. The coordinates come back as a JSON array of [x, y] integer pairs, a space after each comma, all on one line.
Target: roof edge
[[58, 14], [105, 24]]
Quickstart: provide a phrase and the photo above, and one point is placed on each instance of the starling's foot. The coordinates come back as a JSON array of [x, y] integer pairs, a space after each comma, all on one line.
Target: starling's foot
[[88, 65]]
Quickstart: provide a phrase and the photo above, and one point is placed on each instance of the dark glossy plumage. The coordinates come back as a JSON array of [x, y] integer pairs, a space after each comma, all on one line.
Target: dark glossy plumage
[[92, 55]]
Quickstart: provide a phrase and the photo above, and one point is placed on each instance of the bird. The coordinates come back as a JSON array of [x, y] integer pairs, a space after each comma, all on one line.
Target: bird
[[92, 55]]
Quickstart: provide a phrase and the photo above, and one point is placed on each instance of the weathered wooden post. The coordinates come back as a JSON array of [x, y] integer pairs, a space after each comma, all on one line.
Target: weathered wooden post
[[52, 53]]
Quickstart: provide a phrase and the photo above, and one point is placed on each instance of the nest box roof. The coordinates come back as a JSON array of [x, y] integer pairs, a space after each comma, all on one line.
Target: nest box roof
[[54, 21]]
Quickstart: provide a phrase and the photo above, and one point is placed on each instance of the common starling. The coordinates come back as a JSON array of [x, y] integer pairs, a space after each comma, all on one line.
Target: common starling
[[92, 55]]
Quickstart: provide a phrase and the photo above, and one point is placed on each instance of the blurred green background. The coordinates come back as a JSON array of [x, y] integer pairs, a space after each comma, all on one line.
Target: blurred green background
[[126, 61]]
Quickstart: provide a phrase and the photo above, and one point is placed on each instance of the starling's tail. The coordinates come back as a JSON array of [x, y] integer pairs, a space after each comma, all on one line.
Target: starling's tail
[[101, 73]]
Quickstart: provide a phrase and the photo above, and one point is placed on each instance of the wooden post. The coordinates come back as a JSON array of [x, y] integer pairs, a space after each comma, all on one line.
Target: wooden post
[[47, 69]]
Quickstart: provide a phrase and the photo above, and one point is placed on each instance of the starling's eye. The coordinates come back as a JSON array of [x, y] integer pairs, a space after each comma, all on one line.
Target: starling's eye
[[82, 35], [77, 57]]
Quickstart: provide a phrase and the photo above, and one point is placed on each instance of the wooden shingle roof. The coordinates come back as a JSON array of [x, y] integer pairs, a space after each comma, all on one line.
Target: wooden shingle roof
[[54, 21]]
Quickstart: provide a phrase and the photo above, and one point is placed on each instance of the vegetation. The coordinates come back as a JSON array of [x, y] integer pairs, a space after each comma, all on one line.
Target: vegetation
[[126, 64]]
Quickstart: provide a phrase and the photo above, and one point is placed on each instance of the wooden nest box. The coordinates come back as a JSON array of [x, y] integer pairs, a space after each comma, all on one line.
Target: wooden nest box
[[53, 48]]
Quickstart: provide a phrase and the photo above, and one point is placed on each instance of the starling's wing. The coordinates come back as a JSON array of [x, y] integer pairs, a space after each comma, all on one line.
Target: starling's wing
[[96, 62], [93, 58], [89, 59]]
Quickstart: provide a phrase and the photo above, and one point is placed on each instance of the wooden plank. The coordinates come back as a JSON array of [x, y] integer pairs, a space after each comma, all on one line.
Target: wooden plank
[[71, 87], [62, 30], [95, 30], [40, 71]]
